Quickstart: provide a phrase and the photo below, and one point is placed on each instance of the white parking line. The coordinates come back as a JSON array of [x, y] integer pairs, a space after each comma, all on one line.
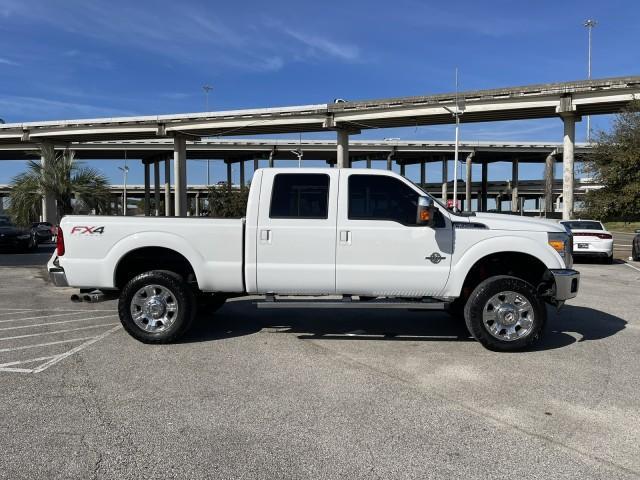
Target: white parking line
[[25, 310], [52, 323], [43, 316], [56, 332], [28, 360], [74, 350], [24, 347], [631, 266]]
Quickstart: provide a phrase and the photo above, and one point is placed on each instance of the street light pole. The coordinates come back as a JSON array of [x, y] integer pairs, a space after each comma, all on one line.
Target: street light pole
[[589, 24], [458, 111], [124, 170], [207, 89]]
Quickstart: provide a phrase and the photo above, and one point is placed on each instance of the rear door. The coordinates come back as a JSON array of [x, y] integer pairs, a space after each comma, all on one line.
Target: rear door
[[296, 234], [381, 250]]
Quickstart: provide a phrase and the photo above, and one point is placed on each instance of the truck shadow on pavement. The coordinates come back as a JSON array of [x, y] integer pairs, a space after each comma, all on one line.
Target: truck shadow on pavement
[[570, 325]]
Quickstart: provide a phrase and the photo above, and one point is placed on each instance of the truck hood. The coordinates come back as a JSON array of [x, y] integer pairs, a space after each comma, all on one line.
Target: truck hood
[[501, 221]]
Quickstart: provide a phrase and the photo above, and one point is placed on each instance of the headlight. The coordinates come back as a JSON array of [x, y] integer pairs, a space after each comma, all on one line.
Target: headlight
[[24, 237], [561, 243]]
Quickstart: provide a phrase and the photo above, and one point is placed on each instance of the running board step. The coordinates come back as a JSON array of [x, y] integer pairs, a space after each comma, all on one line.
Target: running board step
[[335, 304]]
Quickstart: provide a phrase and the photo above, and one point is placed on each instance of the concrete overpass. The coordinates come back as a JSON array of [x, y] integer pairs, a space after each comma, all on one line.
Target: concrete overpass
[[403, 153], [392, 153], [568, 100], [504, 194]]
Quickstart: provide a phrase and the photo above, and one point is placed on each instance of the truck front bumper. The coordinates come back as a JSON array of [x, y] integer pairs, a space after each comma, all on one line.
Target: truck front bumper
[[566, 283]]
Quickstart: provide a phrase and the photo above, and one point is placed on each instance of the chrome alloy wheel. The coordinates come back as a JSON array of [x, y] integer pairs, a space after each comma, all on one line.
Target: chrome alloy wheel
[[508, 316], [154, 308]]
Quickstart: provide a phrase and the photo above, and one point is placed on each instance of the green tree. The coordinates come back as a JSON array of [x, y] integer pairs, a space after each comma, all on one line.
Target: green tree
[[225, 203], [75, 187], [615, 163]]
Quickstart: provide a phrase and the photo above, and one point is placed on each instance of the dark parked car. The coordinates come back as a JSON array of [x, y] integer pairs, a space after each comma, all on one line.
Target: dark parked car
[[16, 237], [635, 246], [44, 231]]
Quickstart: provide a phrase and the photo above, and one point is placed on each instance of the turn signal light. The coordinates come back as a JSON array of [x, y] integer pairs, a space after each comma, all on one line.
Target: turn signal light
[[558, 246]]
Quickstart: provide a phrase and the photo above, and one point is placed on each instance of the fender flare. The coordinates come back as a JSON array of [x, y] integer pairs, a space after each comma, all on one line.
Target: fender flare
[[170, 241], [504, 244]]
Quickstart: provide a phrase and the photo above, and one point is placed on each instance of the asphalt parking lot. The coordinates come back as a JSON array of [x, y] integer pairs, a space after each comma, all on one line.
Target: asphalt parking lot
[[306, 394]]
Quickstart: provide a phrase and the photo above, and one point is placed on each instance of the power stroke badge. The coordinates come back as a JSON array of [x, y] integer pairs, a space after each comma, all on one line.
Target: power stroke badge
[[435, 257]]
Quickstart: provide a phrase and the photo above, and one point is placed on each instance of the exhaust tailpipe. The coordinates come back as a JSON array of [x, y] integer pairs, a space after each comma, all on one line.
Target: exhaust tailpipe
[[76, 298], [93, 297]]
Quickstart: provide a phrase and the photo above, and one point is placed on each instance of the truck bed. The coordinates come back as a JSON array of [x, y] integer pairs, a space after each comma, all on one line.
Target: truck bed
[[95, 245]]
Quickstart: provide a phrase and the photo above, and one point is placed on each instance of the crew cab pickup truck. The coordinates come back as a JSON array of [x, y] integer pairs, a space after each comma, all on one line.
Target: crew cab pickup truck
[[370, 238]]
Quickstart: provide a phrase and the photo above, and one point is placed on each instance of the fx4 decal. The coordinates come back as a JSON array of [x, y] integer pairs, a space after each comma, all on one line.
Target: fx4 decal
[[84, 230]]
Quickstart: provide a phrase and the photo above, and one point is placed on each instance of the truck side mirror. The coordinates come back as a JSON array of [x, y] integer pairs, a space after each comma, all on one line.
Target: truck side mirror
[[426, 212]]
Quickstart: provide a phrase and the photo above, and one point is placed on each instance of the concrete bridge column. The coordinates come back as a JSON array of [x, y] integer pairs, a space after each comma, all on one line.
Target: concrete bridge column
[[167, 188], [566, 110], [197, 204], [499, 202], [156, 187], [256, 165], [549, 169], [49, 210], [468, 182], [180, 174], [229, 175], [241, 174], [343, 149], [568, 143], [147, 189], [402, 169], [445, 178], [272, 154], [368, 161], [484, 186], [423, 173], [390, 160], [514, 185]]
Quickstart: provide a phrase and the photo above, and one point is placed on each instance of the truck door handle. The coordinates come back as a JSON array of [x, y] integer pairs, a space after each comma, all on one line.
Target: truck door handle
[[345, 237], [265, 235]]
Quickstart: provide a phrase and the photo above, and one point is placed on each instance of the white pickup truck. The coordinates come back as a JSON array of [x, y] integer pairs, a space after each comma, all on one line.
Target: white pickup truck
[[370, 238]]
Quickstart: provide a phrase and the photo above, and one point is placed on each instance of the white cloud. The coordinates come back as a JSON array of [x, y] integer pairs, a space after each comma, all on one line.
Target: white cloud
[[185, 35], [6, 61], [321, 45], [26, 108]]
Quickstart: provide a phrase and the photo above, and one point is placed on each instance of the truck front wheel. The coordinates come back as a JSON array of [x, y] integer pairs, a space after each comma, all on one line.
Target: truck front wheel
[[504, 313], [156, 307]]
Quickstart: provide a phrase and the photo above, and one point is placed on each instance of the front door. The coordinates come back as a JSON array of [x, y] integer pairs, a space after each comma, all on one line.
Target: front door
[[381, 251], [296, 235]]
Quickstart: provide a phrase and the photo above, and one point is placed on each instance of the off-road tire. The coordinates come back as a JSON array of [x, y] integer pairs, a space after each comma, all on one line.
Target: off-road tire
[[487, 289], [180, 290]]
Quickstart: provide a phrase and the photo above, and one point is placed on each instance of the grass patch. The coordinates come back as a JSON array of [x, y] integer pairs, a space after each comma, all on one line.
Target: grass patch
[[622, 226]]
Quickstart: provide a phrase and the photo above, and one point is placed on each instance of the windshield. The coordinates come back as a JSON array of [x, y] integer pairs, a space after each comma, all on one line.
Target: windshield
[[583, 225]]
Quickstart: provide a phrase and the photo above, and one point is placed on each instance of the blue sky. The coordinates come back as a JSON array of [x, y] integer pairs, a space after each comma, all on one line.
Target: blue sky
[[87, 58]]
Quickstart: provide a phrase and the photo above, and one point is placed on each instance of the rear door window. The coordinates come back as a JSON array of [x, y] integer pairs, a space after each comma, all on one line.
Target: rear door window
[[300, 195]]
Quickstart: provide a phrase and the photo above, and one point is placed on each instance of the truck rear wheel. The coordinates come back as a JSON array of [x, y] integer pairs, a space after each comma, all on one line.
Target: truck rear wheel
[[504, 313], [156, 307]]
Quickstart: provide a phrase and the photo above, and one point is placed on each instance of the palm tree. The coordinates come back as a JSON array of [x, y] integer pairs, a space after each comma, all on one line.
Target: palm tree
[[62, 178]]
